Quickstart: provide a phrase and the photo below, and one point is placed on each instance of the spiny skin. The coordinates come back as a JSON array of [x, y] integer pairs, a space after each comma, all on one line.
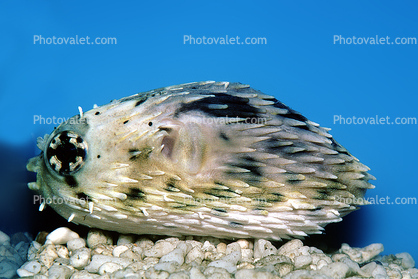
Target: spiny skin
[[208, 158]]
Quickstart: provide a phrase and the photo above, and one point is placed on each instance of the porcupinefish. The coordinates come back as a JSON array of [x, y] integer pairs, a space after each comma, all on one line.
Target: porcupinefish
[[207, 158]]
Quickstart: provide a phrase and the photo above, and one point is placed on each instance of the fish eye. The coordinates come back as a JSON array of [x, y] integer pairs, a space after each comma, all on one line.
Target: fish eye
[[66, 153]]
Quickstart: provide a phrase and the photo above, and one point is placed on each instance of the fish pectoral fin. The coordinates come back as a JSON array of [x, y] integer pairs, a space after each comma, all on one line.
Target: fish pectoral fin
[[184, 144], [170, 128]]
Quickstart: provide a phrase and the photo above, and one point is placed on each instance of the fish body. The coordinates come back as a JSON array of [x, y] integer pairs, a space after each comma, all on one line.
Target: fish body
[[206, 158]]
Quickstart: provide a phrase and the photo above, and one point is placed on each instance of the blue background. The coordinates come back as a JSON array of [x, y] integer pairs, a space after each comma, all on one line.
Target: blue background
[[300, 65]]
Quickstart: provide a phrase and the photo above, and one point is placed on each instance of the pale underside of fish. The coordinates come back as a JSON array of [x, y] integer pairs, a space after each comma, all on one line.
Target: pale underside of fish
[[207, 158]]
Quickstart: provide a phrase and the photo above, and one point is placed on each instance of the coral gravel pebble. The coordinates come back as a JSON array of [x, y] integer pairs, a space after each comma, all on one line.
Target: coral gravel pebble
[[196, 258]]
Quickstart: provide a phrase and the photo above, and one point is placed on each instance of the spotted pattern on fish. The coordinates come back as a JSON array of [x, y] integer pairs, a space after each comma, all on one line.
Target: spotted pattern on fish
[[206, 158]]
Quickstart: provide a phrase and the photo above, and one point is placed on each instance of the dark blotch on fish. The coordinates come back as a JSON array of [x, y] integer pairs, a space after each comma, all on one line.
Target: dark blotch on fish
[[140, 102], [223, 136], [71, 181], [136, 194], [235, 224], [292, 113], [171, 186], [237, 107], [83, 196]]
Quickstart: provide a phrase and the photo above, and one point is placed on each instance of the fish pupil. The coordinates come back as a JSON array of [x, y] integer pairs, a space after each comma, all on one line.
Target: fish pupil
[[66, 152]]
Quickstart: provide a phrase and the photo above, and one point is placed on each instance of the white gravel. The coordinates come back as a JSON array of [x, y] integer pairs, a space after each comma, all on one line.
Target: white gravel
[[61, 236], [72, 257]]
